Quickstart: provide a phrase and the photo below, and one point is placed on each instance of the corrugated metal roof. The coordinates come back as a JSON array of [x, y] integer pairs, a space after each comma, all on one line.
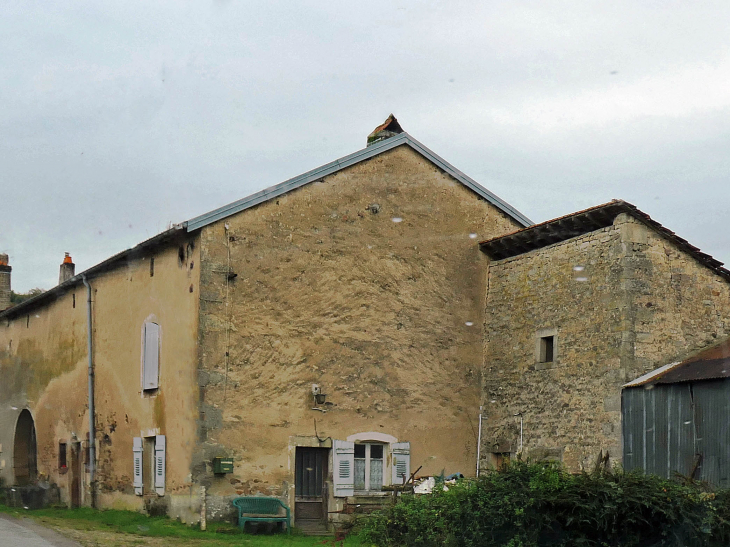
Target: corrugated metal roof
[[708, 364], [347, 161], [653, 375], [576, 224]]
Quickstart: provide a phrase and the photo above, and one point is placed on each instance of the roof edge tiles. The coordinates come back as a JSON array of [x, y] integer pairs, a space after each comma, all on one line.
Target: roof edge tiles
[[348, 161], [582, 222]]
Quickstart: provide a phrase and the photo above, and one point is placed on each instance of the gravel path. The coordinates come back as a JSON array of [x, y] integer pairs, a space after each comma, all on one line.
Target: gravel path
[[26, 533]]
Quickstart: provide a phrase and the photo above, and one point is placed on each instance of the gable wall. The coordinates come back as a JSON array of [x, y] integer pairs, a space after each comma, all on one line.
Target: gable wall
[[644, 303], [43, 366], [330, 292]]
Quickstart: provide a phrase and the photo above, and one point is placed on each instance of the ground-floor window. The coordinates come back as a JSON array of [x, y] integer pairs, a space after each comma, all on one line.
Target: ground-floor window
[[366, 462], [369, 466]]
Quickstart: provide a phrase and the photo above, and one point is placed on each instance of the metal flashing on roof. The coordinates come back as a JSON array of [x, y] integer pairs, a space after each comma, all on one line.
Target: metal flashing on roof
[[708, 364], [270, 193], [652, 375], [347, 161]]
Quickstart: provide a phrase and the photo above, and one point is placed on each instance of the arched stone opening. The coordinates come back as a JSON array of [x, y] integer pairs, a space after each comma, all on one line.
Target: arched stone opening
[[25, 466]]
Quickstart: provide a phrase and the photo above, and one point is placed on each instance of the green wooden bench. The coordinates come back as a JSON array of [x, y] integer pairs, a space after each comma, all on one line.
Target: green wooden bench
[[261, 509]]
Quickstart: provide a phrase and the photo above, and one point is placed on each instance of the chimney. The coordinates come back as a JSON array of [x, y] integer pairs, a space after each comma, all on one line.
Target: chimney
[[68, 269], [5, 270], [389, 128]]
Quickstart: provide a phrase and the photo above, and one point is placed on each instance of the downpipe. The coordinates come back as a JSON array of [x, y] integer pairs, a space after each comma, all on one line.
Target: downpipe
[[92, 416]]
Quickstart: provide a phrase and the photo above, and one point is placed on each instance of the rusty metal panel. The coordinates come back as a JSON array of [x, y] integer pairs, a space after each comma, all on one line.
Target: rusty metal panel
[[679, 428]]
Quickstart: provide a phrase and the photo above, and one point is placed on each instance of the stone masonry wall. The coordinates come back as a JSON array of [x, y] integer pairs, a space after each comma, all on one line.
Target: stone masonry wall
[[369, 283], [637, 303]]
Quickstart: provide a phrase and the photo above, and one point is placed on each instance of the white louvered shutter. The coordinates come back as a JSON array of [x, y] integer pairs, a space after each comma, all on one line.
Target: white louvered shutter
[[151, 363], [401, 462], [160, 465], [137, 463], [343, 459]]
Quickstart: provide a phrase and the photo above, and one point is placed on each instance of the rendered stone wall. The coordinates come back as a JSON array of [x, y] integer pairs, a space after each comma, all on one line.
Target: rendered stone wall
[[622, 301], [332, 289], [43, 367]]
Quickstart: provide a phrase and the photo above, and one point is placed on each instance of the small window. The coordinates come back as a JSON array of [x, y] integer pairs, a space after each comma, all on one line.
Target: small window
[[547, 349], [62, 457], [152, 266]]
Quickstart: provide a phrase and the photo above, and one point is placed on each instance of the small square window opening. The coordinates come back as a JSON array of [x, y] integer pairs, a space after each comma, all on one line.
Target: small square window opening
[[547, 349]]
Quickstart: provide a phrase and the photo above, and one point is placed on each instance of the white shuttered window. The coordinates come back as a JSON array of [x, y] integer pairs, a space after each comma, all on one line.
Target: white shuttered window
[[137, 465], [401, 462], [151, 357], [160, 465], [343, 474]]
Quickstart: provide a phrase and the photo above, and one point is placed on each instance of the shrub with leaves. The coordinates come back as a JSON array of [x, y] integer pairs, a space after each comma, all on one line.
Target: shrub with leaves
[[531, 505]]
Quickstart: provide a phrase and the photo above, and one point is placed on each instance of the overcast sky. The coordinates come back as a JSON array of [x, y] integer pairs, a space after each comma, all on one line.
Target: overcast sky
[[117, 118]]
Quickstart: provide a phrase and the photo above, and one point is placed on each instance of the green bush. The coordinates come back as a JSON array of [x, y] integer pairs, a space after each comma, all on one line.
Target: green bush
[[531, 505]]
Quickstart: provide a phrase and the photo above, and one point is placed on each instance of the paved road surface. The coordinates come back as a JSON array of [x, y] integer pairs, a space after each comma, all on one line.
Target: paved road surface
[[26, 533]]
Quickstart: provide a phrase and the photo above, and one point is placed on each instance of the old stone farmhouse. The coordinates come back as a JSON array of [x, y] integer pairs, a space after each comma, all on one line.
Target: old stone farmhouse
[[336, 332]]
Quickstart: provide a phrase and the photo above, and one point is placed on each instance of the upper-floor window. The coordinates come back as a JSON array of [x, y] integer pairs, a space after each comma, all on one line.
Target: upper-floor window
[[547, 349], [151, 357]]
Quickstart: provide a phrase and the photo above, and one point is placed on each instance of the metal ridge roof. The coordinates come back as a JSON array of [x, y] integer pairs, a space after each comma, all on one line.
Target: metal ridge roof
[[582, 222], [265, 195], [347, 161]]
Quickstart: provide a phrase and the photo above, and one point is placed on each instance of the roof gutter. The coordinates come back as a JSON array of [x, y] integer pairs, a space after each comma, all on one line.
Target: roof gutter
[[106, 265]]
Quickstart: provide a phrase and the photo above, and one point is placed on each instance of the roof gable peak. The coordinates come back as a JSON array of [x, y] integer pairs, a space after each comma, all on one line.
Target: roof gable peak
[[367, 153]]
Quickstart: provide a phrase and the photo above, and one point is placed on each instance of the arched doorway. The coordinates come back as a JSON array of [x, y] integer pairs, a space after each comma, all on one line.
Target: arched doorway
[[24, 450]]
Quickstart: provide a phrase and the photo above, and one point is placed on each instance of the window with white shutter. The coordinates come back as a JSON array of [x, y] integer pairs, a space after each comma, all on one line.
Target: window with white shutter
[[401, 453], [160, 465], [137, 465], [151, 357], [343, 474]]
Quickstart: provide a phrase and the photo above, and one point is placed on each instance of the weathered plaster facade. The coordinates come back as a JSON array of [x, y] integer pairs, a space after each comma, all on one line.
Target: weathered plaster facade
[[621, 301], [368, 283], [44, 364], [365, 278]]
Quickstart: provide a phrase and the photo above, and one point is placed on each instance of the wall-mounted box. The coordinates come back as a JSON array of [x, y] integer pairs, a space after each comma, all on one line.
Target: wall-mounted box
[[222, 465]]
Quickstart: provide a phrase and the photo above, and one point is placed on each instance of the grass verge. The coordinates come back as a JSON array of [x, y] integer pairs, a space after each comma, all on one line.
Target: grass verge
[[114, 528]]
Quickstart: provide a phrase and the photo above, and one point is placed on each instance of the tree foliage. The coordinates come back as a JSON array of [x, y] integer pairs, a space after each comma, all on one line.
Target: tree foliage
[[17, 298]]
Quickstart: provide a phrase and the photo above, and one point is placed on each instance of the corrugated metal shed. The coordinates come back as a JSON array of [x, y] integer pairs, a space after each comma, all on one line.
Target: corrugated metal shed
[[676, 419]]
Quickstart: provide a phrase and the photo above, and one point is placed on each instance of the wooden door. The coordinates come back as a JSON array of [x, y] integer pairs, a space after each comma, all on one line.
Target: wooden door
[[310, 490]]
